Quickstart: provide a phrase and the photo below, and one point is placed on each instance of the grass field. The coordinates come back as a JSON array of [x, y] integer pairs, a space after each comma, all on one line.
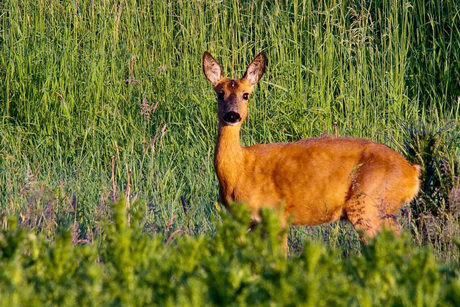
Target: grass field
[[102, 99]]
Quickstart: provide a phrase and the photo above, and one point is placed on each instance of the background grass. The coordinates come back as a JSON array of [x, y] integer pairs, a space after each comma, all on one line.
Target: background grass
[[104, 98]]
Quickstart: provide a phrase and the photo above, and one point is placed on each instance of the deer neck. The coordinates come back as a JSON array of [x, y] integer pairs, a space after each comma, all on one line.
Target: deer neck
[[228, 156]]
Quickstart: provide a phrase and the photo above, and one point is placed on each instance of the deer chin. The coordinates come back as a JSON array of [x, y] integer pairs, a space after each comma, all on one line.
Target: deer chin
[[231, 124]]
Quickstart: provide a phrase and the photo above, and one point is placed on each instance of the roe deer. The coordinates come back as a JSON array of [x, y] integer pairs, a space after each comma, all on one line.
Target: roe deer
[[315, 180]]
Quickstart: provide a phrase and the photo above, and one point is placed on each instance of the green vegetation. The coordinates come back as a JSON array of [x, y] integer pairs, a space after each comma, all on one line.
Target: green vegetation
[[103, 99], [129, 267]]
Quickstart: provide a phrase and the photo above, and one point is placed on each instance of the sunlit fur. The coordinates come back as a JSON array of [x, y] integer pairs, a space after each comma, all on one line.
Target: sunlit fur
[[313, 181]]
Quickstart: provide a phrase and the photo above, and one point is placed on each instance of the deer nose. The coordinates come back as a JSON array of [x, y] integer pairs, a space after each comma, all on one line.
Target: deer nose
[[231, 118]]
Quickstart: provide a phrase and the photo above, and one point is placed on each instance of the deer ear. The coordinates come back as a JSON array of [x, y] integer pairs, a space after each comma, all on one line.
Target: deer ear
[[212, 69], [255, 69]]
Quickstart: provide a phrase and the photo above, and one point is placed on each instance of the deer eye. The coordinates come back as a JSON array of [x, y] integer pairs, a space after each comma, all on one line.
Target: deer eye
[[245, 96], [220, 96]]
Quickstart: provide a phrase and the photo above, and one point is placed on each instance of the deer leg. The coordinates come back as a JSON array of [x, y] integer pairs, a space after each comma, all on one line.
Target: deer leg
[[364, 216], [390, 222]]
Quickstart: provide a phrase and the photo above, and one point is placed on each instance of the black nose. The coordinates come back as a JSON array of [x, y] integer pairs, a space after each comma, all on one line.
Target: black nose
[[232, 117]]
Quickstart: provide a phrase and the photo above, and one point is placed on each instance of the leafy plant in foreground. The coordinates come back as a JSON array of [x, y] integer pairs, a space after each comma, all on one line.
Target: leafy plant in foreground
[[126, 266]]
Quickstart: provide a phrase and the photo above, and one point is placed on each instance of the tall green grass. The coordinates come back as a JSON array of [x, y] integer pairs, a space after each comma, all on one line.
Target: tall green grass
[[91, 87]]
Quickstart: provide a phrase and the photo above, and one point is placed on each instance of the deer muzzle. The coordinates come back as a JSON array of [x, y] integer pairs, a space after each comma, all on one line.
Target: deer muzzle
[[232, 118]]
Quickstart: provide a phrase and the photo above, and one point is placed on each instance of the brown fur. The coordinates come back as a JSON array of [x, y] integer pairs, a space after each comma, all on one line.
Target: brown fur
[[314, 181]]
